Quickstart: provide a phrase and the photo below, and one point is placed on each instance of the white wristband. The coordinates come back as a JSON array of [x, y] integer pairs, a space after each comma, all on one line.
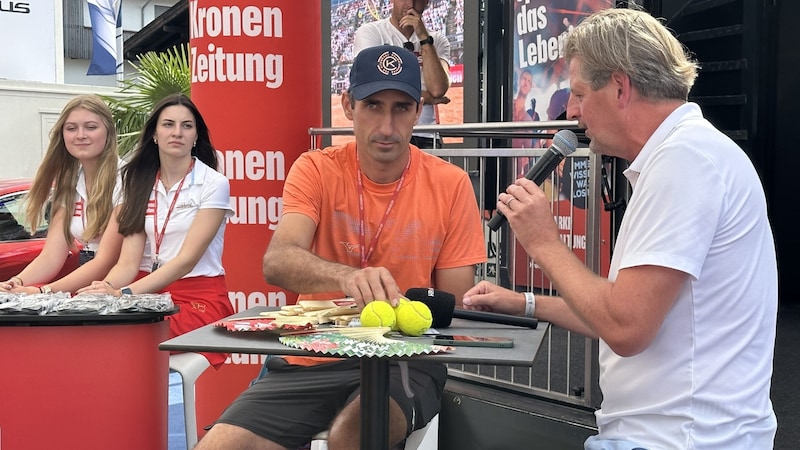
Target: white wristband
[[530, 304]]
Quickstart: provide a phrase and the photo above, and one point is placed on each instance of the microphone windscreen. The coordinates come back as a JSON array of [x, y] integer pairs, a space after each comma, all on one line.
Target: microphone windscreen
[[440, 303]]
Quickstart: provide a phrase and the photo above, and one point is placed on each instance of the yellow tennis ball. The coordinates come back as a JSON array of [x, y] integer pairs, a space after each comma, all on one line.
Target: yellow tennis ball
[[378, 314], [413, 318], [400, 302]]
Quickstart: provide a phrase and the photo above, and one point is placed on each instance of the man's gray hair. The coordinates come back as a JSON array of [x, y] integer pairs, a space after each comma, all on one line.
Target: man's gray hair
[[637, 44]]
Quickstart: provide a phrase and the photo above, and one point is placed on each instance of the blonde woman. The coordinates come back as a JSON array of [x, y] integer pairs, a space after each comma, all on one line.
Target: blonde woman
[[79, 176]]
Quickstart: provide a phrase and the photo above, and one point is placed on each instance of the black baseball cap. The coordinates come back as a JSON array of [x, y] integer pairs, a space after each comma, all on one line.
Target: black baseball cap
[[385, 67]]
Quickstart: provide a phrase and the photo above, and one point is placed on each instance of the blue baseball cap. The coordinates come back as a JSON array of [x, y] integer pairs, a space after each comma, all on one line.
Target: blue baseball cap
[[385, 67]]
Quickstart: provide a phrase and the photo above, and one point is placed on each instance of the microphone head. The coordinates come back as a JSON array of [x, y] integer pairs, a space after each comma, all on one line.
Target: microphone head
[[566, 142], [440, 303]]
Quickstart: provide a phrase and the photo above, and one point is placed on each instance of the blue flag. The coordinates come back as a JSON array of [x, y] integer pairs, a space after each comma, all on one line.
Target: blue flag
[[106, 17]]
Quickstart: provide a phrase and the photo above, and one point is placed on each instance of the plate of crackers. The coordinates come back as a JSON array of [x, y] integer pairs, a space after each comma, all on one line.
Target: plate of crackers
[[305, 315]]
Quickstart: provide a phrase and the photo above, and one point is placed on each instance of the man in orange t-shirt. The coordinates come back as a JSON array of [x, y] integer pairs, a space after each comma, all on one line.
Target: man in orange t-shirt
[[367, 220]]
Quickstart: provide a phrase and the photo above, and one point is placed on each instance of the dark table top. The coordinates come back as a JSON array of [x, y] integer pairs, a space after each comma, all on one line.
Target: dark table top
[[77, 319], [218, 339]]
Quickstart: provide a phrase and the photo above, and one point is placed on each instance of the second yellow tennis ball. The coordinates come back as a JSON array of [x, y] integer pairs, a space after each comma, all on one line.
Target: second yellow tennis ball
[[413, 318], [400, 302], [378, 314]]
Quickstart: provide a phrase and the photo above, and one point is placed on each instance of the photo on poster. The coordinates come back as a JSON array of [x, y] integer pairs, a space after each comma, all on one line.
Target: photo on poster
[[540, 92], [445, 17], [540, 77], [540, 82]]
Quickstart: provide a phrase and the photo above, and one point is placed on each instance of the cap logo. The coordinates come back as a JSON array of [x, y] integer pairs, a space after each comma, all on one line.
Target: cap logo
[[390, 63]]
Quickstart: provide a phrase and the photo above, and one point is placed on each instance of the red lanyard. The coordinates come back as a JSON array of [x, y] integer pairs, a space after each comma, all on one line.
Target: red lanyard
[[81, 206], [82, 209], [160, 236], [361, 226]]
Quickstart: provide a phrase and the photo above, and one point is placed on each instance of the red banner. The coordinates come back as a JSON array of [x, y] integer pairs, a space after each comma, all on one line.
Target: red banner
[[256, 77], [457, 75]]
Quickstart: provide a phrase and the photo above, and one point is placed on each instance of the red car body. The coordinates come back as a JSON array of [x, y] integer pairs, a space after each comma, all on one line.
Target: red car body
[[17, 246]]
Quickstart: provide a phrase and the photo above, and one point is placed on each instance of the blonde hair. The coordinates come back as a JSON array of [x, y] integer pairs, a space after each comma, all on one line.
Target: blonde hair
[[59, 172], [637, 44]]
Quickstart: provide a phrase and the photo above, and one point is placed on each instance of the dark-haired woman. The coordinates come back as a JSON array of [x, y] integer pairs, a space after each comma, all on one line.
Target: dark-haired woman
[[176, 202]]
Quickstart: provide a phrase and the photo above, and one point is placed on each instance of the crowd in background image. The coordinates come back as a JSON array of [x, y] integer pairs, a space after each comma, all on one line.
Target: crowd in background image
[[442, 16]]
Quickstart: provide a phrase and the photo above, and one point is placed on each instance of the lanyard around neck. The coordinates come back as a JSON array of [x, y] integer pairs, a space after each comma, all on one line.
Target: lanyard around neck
[[362, 234], [159, 237], [82, 205]]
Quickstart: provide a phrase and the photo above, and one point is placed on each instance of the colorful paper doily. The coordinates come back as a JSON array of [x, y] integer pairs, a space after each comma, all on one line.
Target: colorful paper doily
[[338, 343], [262, 324]]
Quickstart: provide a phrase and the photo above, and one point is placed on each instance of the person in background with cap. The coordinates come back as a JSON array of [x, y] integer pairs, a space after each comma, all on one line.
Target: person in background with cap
[[404, 28], [367, 220]]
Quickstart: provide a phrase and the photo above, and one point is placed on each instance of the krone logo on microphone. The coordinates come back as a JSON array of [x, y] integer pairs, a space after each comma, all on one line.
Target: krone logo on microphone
[[390, 63]]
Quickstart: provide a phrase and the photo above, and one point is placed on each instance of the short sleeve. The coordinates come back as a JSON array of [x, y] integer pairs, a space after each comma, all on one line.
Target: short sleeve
[[216, 192]]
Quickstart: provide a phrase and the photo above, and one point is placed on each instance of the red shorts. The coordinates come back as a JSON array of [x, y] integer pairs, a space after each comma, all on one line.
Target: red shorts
[[202, 300]]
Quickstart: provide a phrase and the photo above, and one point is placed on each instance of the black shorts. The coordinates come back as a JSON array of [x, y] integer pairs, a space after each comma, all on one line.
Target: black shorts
[[290, 404]]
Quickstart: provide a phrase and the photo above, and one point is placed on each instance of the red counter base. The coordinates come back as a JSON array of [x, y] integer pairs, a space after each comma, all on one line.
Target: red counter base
[[83, 387]]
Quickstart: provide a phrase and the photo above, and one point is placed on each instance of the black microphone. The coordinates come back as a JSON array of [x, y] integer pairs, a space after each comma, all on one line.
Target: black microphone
[[442, 306], [440, 303], [504, 319], [564, 143]]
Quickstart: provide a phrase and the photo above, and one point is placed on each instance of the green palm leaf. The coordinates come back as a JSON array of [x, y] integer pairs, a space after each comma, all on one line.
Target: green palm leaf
[[159, 75]]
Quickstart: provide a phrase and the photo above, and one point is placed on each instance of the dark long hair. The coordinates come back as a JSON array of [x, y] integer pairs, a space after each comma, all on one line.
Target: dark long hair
[[139, 175]]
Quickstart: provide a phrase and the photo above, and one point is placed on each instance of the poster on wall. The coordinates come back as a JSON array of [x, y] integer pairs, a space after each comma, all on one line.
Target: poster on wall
[[445, 17], [540, 78], [540, 92]]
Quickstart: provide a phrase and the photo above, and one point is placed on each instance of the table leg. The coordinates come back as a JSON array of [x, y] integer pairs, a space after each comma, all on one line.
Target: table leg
[[374, 404]]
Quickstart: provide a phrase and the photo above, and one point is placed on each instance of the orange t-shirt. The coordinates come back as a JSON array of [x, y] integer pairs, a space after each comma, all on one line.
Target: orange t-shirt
[[434, 223]]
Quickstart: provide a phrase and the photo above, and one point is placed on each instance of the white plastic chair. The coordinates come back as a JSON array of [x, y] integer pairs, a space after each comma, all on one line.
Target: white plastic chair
[[426, 438], [190, 366]]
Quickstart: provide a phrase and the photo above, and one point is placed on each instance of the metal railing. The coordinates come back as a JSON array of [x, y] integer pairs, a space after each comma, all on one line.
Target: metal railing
[[565, 369], [494, 130]]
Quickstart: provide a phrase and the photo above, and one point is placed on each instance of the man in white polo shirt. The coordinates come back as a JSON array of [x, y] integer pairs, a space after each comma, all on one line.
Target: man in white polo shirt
[[686, 319]]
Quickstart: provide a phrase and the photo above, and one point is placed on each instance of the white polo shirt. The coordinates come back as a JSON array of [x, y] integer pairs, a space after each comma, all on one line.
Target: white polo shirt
[[203, 188], [77, 223], [78, 220], [697, 206]]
